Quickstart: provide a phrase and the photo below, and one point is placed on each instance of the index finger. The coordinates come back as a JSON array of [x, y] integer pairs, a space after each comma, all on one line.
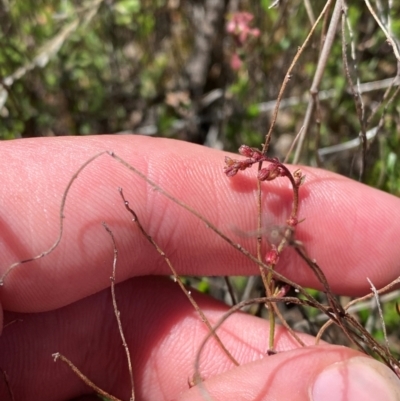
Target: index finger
[[349, 229]]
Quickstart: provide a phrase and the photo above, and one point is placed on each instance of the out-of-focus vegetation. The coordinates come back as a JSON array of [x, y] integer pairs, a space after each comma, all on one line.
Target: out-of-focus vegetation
[[167, 68]]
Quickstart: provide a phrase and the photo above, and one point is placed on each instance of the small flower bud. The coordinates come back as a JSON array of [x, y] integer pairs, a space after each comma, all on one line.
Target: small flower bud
[[263, 174], [245, 164], [272, 256], [229, 162], [282, 291], [270, 172], [245, 150], [292, 221], [231, 167], [257, 155], [230, 171], [299, 178]]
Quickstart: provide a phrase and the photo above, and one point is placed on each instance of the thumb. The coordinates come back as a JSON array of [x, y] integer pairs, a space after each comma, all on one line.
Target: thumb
[[314, 373]]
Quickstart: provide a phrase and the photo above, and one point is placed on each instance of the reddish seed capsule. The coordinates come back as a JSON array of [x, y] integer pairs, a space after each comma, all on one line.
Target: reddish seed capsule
[[283, 290], [229, 162], [270, 172], [263, 174], [272, 256], [230, 171]]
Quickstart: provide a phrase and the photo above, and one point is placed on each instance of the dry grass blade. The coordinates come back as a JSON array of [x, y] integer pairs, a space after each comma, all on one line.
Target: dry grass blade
[[98, 390], [177, 279], [117, 312]]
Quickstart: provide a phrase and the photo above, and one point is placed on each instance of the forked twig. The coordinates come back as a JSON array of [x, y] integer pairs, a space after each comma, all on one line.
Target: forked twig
[[264, 300], [389, 37], [117, 312], [384, 289], [177, 278], [89, 383]]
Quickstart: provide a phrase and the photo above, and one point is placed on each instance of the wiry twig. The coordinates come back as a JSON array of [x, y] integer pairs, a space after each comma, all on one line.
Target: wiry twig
[[177, 278], [359, 300], [288, 76], [231, 290], [355, 91], [361, 305], [117, 312], [389, 37], [89, 383], [8, 386], [376, 296], [237, 307], [210, 225], [61, 221], [323, 58]]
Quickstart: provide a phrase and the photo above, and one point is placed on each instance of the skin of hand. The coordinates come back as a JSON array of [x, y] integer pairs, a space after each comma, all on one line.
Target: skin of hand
[[62, 303]]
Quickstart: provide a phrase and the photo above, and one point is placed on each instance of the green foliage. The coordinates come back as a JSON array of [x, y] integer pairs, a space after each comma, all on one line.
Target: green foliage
[[117, 64]]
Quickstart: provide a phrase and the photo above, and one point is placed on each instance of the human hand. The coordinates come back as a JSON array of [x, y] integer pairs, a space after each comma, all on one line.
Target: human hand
[[62, 303]]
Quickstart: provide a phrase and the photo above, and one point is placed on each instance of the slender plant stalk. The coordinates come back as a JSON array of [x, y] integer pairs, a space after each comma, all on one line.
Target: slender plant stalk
[[177, 278], [98, 390], [117, 312]]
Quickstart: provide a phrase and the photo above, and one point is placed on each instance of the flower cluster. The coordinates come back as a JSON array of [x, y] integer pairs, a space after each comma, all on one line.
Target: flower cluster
[[273, 170], [238, 27]]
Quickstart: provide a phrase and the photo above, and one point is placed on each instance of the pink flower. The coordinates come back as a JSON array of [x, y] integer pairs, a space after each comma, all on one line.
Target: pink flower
[[272, 256], [238, 27], [236, 62]]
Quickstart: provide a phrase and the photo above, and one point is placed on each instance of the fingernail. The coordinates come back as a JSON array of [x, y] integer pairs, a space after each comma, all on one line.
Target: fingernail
[[358, 378]]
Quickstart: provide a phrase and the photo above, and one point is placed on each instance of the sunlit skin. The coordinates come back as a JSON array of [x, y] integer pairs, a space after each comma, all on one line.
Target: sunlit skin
[[62, 303]]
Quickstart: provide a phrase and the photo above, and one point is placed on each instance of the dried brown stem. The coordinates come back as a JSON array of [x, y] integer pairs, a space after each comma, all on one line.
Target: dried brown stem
[[288, 75], [98, 390], [210, 225], [357, 98], [61, 221], [8, 386], [177, 278], [376, 296], [117, 312], [231, 290], [389, 37], [263, 300], [357, 300], [323, 58]]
